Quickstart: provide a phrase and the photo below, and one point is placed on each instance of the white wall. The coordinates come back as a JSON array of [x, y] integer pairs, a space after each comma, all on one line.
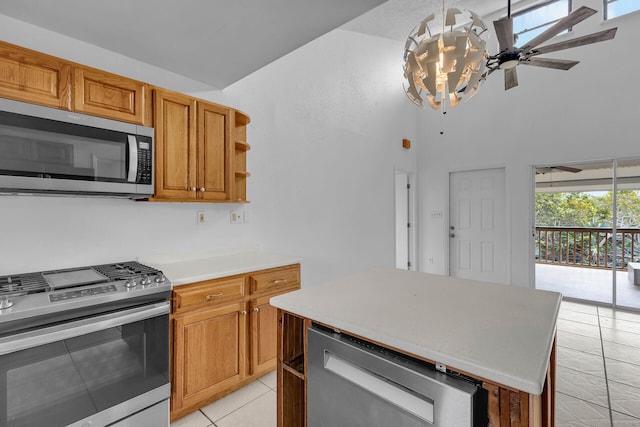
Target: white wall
[[327, 123], [587, 113]]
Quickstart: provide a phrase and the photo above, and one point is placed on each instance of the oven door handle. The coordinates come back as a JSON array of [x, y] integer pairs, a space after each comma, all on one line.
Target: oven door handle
[[48, 335]]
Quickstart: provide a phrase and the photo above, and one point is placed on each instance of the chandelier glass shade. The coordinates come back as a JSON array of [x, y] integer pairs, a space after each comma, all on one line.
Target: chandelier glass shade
[[447, 67]]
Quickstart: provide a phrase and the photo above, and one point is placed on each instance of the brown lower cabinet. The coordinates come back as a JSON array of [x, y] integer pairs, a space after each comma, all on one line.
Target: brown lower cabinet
[[224, 335], [506, 407]]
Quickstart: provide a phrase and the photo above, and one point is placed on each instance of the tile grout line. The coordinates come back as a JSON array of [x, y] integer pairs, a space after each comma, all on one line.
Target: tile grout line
[[243, 405], [210, 420], [604, 364]]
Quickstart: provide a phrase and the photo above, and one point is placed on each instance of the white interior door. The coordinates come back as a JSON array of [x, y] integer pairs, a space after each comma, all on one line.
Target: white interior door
[[477, 229], [402, 221]]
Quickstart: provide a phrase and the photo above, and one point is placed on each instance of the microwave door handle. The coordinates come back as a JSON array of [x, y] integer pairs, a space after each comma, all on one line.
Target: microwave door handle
[[25, 340], [133, 158]]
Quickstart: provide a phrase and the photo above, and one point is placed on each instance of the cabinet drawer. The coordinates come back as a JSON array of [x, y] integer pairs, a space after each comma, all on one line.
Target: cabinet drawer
[[208, 293], [276, 279]]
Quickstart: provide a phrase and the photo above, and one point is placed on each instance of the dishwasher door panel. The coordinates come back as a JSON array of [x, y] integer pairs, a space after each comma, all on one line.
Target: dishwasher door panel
[[357, 384]]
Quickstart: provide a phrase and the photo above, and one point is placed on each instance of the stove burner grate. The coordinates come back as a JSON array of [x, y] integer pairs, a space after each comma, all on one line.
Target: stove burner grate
[[19, 284]]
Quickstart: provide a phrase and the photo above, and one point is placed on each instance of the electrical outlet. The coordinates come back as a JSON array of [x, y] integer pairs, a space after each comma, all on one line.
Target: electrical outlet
[[236, 218], [200, 217]]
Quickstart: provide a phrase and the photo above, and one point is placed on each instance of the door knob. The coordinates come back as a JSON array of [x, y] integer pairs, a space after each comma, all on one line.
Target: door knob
[[452, 235]]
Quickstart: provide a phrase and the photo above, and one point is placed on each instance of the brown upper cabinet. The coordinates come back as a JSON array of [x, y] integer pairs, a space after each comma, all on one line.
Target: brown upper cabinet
[[200, 147], [108, 95], [192, 157], [29, 76]]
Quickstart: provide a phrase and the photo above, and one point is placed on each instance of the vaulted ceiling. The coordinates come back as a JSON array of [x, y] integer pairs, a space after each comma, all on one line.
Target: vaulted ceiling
[[220, 42]]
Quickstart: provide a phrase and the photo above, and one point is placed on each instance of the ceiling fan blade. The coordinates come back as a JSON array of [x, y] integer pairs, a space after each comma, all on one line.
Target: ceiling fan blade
[[510, 78], [567, 169], [504, 32], [558, 64], [578, 41], [565, 23]]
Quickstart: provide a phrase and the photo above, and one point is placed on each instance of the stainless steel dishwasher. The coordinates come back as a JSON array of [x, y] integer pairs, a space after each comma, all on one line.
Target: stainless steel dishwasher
[[353, 383]]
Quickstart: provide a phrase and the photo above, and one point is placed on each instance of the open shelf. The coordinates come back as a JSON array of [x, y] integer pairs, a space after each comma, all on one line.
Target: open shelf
[[295, 366], [242, 146], [239, 157]]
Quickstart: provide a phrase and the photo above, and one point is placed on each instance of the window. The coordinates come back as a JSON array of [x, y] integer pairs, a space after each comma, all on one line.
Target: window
[[528, 23], [613, 8]]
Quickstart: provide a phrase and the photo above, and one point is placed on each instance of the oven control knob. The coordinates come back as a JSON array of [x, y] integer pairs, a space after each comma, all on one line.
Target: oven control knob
[[145, 280], [160, 278], [130, 283]]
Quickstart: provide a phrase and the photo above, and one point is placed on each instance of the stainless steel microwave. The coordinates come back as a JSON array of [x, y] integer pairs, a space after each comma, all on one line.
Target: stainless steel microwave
[[48, 151]]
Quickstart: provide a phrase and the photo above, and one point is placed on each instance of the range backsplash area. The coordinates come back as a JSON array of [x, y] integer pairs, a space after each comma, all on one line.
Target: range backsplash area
[[46, 233]]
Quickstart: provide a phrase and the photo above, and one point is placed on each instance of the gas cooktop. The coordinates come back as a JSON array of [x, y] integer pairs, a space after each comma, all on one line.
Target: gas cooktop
[[38, 293], [46, 281]]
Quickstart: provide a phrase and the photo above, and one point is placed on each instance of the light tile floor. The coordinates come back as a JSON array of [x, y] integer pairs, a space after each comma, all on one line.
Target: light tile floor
[[252, 406], [598, 377], [598, 367]]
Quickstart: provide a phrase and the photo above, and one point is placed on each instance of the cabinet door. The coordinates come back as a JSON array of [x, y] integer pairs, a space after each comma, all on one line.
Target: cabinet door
[[108, 95], [209, 353], [213, 152], [264, 335], [175, 139], [33, 77]]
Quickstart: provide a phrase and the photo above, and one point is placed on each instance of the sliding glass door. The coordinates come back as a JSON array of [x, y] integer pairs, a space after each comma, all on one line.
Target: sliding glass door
[[626, 289], [587, 238]]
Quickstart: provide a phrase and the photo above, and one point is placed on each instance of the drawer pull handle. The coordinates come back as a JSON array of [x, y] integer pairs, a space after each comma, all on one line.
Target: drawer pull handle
[[279, 281], [256, 309], [210, 297]]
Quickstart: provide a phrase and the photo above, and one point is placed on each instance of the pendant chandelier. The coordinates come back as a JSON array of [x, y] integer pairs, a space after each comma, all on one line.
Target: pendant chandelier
[[447, 67]]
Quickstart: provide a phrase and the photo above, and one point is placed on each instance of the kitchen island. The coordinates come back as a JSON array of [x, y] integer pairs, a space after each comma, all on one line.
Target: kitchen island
[[503, 336]]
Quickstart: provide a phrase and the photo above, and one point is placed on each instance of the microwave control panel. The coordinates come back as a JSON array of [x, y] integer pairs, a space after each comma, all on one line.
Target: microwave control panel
[[145, 163]]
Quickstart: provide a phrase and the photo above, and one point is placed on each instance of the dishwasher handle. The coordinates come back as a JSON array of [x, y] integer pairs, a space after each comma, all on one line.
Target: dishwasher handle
[[381, 387]]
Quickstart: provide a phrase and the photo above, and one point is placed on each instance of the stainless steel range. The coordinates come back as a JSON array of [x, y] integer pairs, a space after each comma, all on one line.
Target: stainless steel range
[[85, 347]]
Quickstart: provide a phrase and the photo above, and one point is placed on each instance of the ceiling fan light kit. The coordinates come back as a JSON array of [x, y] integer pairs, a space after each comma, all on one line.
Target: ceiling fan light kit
[[445, 68]]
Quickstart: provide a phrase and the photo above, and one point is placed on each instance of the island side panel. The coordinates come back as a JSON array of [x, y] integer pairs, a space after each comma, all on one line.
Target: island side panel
[[507, 407], [291, 370]]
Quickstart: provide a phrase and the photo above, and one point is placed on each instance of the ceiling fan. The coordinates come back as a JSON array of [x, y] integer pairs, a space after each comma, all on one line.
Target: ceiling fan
[[549, 169], [510, 56]]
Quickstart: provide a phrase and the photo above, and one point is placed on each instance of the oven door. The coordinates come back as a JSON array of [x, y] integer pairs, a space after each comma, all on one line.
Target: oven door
[[88, 372]]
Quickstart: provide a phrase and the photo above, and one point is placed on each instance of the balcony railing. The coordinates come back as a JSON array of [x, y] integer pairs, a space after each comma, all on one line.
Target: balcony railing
[[587, 247]]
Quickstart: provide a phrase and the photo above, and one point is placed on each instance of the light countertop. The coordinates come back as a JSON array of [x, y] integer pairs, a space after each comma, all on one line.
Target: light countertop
[[501, 333], [196, 267]]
